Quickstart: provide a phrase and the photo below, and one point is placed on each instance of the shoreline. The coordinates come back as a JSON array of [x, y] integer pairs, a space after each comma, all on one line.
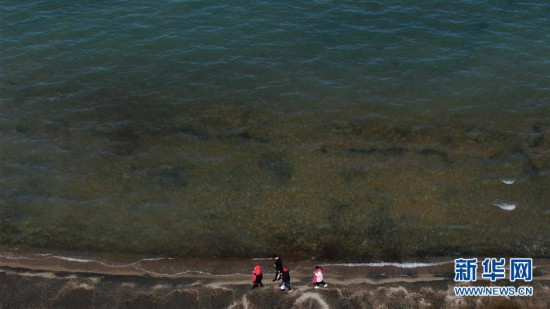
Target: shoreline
[[68, 281], [189, 266]]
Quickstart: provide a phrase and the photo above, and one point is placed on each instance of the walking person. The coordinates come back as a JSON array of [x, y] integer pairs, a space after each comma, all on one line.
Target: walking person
[[318, 278], [257, 277], [278, 267], [286, 280]]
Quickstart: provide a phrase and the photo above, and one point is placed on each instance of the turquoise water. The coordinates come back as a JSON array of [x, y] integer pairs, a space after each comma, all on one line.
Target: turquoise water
[[162, 127]]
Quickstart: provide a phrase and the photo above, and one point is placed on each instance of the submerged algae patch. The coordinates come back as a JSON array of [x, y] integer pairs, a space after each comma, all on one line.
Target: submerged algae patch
[[358, 187]]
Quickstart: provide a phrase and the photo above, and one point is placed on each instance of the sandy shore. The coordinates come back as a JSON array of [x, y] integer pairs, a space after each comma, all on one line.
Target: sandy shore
[[37, 280]]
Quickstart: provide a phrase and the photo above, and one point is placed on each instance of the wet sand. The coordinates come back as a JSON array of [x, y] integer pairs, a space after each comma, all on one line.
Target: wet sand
[[37, 280]]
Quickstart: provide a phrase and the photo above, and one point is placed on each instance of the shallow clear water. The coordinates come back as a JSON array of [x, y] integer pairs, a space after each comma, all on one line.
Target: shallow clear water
[[343, 129]]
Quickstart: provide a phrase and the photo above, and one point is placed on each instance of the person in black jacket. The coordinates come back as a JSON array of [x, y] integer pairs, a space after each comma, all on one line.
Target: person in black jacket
[[286, 280], [278, 267]]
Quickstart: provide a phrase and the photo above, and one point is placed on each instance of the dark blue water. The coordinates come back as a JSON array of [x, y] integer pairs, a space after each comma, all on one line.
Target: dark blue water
[[163, 126], [431, 53]]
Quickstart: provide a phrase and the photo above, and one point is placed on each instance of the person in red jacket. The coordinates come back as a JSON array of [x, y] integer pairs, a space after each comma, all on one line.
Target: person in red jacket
[[257, 277]]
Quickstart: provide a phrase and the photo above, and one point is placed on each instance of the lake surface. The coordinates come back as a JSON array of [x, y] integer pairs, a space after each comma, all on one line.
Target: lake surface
[[333, 129]]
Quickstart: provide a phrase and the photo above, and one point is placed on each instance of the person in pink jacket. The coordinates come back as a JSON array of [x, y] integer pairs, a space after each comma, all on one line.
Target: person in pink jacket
[[318, 278]]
